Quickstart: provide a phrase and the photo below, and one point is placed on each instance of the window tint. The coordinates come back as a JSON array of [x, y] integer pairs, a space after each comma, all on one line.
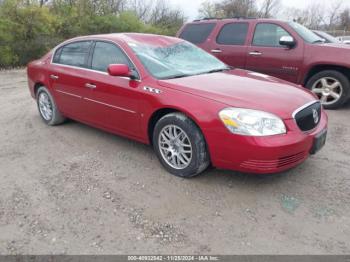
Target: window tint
[[74, 54], [106, 54], [233, 34], [197, 33], [268, 35]]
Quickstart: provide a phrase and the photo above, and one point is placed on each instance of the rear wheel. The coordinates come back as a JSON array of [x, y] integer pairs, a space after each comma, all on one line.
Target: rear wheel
[[331, 87], [47, 107], [180, 145]]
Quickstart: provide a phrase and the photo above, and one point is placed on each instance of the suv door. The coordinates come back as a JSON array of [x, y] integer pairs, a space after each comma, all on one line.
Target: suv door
[[230, 44], [266, 55], [112, 101], [67, 74]]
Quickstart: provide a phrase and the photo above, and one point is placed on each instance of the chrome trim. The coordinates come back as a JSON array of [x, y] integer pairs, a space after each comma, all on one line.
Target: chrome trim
[[54, 77], [91, 86], [87, 69], [112, 106], [152, 90], [303, 107], [66, 93]]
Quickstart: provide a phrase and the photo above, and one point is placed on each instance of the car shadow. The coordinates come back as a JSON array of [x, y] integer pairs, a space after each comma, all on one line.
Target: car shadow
[[211, 176]]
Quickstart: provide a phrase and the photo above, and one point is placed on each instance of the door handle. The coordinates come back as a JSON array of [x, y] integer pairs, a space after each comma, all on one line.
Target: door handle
[[91, 86], [216, 51], [54, 77], [255, 53]]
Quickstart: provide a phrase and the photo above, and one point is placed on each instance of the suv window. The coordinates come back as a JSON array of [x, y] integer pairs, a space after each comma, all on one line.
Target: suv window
[[74, 54], [268, 35], [233, 34], [106, 54], [197, 33]]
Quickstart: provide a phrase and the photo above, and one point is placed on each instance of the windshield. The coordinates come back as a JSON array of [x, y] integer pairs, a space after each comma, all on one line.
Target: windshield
[[327, 37], [178, 60], [305, 33]]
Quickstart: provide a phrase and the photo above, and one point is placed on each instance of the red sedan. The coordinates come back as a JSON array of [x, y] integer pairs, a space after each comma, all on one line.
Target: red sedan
[[192, 108]]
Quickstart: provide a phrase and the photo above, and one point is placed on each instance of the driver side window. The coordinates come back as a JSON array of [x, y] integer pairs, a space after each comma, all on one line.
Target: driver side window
[[106, 54], [268, 35]]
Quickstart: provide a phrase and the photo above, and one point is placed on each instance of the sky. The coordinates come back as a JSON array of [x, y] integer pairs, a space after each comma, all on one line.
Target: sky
[[191, 7]]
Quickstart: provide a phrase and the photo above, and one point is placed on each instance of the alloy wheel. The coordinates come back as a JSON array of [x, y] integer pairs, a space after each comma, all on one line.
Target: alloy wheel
[[175, 147], [329, 90], [45, 106]]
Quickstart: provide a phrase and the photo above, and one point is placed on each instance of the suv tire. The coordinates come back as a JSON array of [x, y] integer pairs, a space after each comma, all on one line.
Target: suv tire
[[332, 87]]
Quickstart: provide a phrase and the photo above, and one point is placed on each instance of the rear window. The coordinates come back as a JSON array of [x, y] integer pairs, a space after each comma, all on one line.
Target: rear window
[[233, 34], [73, 54], [197, 33]]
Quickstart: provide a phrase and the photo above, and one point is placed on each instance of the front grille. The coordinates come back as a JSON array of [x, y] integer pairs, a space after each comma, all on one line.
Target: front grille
[[266, 165], [308, 117]]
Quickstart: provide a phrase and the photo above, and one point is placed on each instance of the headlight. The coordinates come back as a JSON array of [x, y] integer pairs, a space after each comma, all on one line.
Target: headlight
[[251, 122]]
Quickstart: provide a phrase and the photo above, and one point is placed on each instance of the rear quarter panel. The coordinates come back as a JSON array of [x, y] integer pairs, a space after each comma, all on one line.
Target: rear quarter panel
[[37, 73]]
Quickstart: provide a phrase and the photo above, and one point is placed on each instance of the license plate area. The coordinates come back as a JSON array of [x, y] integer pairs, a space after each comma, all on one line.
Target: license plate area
[[319, 142]]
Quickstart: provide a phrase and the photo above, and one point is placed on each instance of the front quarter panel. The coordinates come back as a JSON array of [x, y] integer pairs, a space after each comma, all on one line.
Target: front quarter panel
[[203, 111]]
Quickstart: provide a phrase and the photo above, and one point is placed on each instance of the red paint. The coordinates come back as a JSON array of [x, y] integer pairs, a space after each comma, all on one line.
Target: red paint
[[122, 106], [295, 64], [118, 70]]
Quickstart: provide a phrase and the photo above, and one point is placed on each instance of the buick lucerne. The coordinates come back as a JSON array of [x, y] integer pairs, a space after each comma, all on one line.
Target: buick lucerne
[[192, 108]]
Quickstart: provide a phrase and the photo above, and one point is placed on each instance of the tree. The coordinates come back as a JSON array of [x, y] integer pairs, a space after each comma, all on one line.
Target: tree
[[269, 8], [333, 17], [345, 19], [209, 10], [237, 8]]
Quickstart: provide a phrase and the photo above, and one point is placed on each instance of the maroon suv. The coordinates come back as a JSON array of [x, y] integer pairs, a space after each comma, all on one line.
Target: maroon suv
[[286, 50]]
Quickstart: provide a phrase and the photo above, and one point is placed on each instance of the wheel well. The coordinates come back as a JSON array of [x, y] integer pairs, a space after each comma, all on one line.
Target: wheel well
[[37, 86], [320, 68], [154, 119]]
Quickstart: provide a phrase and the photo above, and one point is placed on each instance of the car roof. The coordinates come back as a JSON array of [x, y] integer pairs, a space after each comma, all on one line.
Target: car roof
[[137, 38]]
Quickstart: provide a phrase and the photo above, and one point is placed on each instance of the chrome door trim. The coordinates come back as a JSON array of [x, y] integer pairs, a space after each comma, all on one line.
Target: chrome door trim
[[109, 105], [69, 94]]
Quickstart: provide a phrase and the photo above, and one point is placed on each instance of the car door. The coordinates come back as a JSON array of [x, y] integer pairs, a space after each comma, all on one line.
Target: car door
[[230, 44], [112, 102], [67, 78], [266, 55]]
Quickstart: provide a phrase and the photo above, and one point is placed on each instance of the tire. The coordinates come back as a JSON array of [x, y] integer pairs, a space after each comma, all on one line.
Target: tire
[[187, 164], [321, 84], [43, 96]]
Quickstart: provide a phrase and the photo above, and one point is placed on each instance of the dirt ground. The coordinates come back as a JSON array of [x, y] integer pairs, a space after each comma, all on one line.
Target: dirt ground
[[73, 189]]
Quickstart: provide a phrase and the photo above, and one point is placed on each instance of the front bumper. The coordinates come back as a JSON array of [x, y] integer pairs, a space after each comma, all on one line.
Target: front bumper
[[262, 155]]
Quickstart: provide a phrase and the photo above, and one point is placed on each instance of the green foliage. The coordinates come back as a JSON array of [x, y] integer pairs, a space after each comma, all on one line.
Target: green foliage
[[28, 29]]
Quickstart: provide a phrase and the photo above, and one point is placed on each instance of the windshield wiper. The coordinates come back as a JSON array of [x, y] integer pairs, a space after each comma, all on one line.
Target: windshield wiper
[[318, 41], [207, 72], [177, 76], [218, 70]]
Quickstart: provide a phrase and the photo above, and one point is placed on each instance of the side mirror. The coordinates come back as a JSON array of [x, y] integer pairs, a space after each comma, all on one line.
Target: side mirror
[[119, 70], [287, 41]]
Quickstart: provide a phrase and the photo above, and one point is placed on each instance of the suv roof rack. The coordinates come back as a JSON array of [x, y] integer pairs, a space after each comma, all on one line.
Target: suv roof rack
[[244, 17], [207, 18], [220, 18]]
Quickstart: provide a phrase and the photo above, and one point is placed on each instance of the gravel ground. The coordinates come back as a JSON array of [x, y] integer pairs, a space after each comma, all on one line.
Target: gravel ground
[[73, 189]]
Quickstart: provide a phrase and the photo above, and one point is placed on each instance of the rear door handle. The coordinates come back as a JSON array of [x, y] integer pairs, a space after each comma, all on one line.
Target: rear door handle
[[255, 53], [54, 77], [216, 51], [91, 86]]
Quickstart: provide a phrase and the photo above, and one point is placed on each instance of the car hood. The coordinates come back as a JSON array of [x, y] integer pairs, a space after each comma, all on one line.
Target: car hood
[[245, 89]]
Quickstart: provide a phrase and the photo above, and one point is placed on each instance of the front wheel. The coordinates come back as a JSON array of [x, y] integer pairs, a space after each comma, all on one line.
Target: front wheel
[[331, 87], [180, 145]]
